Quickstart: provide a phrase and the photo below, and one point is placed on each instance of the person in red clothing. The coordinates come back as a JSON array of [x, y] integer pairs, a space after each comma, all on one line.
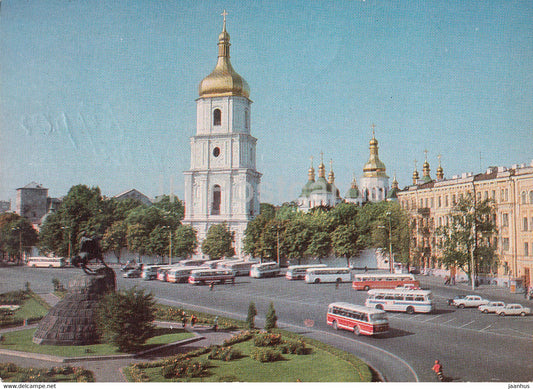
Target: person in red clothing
[[437, 368]]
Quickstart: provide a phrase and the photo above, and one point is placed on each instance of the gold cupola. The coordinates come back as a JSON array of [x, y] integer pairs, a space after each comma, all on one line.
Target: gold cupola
[[374, 167], [223, 80], [440, 170], [415, 175], [331, 175]]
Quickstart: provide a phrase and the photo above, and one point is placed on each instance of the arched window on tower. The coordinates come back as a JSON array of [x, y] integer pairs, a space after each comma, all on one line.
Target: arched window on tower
[[215, 208], [246, 119], [217, 117]]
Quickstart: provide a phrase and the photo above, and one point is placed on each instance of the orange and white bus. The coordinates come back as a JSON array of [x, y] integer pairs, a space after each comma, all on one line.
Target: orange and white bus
[[328, 274], [383, 281], [297, 272], [206, 276], [358, 319], [240, 268], [46, 262], [182, 273]]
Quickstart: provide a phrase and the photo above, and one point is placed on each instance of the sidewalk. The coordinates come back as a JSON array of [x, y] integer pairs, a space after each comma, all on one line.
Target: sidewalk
[[492, 292]]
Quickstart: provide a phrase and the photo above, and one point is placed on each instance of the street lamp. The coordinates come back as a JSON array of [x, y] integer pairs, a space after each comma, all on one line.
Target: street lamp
[[391, 260], [69, 239], [169, 244], [20, 240]]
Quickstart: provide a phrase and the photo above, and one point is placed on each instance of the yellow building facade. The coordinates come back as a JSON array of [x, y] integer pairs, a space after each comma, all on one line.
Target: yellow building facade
[[429, 202]]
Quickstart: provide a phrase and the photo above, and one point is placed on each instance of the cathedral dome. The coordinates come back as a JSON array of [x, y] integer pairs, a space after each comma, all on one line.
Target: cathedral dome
[[374, 167], [223, 80]]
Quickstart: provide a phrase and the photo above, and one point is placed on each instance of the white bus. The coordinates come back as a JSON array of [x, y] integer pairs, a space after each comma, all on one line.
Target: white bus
[[401, 299], [150, 272], [240, 268], [266, 269], [208, 276], [328, 274], [358, 319], [182, 273], [192, 262], [297, 272], [46, 262]]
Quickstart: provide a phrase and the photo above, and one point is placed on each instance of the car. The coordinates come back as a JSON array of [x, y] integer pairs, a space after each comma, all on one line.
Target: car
[[491, 307], [513, 309], [470, 301], [460, 296], [133, 273]]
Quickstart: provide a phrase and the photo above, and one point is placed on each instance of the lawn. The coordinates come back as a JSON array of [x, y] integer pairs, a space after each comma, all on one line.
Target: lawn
[[30, 308], [22, 341], [317, 366]]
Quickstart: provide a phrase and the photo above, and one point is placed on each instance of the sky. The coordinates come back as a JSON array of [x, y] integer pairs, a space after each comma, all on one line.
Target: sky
[[102, 92]]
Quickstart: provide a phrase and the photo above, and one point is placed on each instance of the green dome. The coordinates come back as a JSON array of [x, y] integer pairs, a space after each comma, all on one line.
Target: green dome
[[321, 186], [352, 193], [307, 189]]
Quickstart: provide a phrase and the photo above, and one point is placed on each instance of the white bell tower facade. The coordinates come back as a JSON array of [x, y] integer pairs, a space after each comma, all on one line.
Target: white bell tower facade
[[222, 185]]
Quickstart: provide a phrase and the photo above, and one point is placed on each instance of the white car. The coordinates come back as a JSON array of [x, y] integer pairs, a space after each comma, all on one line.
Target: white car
[[491, 307], [513, 309], [470, 301]]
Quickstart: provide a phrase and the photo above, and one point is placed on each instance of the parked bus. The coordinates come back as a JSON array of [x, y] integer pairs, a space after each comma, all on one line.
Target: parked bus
[[46, 262], [297, 272], [383, 281], [328, 274], [192, 262], [358, 319], [401, 300], [162, 272], [207, 276], [150, 272], [182, 273], [266, 269], [240, 268]]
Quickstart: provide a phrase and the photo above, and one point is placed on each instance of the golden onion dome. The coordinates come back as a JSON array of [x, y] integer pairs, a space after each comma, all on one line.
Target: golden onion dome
[[223, 80], [374, 167]]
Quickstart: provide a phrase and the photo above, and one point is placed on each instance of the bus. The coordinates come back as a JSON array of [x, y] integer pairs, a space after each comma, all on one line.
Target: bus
[[401, 300], [150, 272], [328, 274], [211, 276], [297, 272], [383, 281], [182, 273], [266, 269], [358, 319], [46, 262], [240, 268], [162, 272], [192, 262]]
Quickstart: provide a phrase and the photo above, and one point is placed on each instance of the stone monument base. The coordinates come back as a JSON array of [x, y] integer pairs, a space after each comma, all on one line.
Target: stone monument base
[[72, 320]]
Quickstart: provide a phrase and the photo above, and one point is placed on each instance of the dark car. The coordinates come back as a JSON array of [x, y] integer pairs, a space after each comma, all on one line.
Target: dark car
[[461, 296]]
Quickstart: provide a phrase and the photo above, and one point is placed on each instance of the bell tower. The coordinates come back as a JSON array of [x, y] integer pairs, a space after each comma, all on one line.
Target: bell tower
[[222, 184]]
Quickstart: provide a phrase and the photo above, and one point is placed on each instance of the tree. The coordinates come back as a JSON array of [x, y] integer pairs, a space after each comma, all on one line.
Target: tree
[[16, 235], [250, 319], [159, 241], [469, 235], [125, 318], [185, 241], [219, 242], [115, 238], [271, 318], [137, 238], [296, 238], [252, 235], [345, 242], [395, 218], [171, 205]]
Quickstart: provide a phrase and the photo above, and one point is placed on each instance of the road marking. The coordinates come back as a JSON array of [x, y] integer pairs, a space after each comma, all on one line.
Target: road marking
[[450, 320], [431, 318], [486, 328], [464, 325]]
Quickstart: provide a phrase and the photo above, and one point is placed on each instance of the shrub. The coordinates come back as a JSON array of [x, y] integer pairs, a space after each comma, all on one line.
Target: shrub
[[296, 347], [271, 318], [13, 298], [185, 369], [242, 336], [125, 318], [224, 353], [267, 339], [250, 319], [263, 354]]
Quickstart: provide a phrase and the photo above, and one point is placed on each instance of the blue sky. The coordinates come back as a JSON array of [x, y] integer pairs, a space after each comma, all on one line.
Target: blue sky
[[103, 92]]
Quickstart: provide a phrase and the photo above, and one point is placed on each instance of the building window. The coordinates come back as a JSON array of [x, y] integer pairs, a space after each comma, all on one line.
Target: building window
[[485, 195], [421, 203], [505, 220], [493, 195], [217, 117], [246, 119], [453, 200], [446, 201], [215, 208], [524, 224], [505, 244], [439, 202], [524, 197], [216, 152], [526, 249], [531, 197]]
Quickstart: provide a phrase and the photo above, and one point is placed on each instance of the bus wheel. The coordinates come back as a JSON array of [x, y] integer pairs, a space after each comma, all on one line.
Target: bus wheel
[[317, 281], [410, 310], [379, 306], [356, 331], [339, 280], [222, 281], [366, 287], [335, 326]]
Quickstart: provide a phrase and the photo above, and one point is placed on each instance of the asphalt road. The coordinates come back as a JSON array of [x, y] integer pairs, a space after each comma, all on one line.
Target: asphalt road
[[470, 345]]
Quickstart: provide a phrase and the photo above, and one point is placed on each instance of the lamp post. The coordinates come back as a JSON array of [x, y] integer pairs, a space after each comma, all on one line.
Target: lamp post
[[69, 239], [169, 243], [391, 260], [20, 241]]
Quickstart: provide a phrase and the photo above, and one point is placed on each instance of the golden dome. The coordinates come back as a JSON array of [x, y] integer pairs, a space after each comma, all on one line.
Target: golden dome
[[374, 167], [223, 80]]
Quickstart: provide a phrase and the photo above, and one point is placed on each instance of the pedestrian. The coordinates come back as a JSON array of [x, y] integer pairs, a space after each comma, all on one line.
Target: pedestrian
[[446, 280], [453, 280], [366, 269], [215, 324], [211, 285], [337, 283], [437, 368], [184, 321], [193, 320]]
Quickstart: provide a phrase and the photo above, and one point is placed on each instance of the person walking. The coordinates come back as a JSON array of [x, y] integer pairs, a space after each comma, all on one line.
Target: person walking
[[193, 320], [437, 368], [211, 285], [184, 321], [215, 324]]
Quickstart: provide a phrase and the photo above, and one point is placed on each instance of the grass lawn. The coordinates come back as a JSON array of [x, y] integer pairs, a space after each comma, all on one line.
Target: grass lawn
[[30, 308], [22, 341], [318, 366]]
